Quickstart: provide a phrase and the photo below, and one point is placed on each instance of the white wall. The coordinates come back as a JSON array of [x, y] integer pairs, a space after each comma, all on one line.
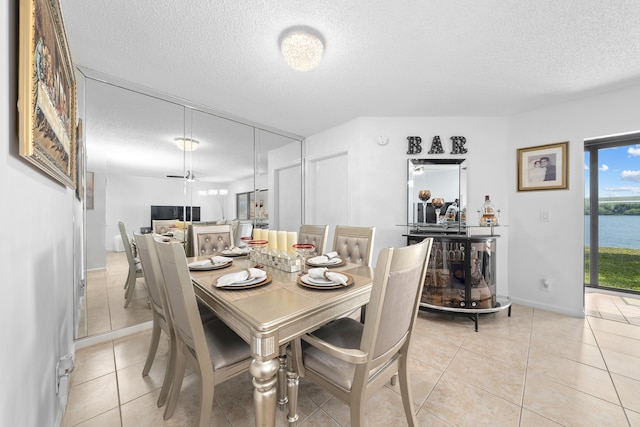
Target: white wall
[[37, 263], [555, 249], [377, 177]]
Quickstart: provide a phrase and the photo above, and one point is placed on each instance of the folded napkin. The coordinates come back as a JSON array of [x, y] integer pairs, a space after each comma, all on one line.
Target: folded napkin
[[240, 276], [324, 273], [326, 258], [216, 260]]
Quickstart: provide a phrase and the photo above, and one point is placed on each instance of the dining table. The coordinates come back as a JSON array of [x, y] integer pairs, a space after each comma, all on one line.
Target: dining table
[[268, 316]]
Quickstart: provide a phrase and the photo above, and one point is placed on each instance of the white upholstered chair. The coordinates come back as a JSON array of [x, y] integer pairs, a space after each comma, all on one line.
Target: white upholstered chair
[[208, 239], [352, 360], [316, 234], [216, 352], [135, 270], [355, 244]]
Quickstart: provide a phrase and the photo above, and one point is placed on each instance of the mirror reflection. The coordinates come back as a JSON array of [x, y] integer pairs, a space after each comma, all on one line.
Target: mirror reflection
[[436, 193], [153, 157]]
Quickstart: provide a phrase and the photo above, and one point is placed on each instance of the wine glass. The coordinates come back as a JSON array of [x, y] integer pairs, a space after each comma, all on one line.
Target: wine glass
[[303, 250], [424, 195], [257, 245], [437, 203]]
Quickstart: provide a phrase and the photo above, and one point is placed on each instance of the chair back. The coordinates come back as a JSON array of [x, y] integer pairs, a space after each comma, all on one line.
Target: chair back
[[180, 296], [208, 239], [245, 229], [395, 297], [152, 272], [161, 226], [316, 234], [127, 248], [355, 244]]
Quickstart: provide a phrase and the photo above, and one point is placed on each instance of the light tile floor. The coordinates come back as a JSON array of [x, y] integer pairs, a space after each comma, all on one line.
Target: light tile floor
[[104, 303], [535, 368]]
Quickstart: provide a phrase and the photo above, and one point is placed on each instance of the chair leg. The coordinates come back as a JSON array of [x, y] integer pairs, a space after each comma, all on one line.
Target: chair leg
[[128, 295], [206, 398], [178, 376], [357, 410], [153, 346], [405, 393], [168, 373]]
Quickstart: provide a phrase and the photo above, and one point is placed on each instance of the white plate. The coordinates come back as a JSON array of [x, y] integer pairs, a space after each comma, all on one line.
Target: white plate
[[243, 283], [209, 266], [321, 281]]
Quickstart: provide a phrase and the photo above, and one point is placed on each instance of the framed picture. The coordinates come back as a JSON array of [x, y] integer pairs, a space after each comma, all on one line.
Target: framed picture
[[89, 192], [47, 92], [544, 167]]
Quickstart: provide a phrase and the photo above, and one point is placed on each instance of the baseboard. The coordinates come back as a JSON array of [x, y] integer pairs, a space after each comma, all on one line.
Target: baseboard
[[97, 339], [549, 307]]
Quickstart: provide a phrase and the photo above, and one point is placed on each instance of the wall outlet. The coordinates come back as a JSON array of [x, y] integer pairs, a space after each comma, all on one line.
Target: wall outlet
[[544, 216], [546, 285]]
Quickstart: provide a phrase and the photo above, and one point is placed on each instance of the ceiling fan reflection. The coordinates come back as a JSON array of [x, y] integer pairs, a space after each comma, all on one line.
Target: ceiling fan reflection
[[190, 176]]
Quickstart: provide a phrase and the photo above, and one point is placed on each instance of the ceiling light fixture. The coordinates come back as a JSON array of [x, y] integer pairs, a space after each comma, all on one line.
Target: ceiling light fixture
[[187, 144], [301, 50]]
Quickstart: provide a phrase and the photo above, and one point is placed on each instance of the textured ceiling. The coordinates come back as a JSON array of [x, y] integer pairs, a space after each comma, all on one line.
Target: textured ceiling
[[382, 58]]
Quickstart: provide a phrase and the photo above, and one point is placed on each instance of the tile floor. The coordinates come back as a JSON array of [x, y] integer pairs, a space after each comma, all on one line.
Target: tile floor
[[535, 368], [104, 302]]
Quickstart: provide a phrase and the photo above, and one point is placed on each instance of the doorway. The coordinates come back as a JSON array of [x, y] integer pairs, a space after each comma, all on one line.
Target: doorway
[[612, 213]]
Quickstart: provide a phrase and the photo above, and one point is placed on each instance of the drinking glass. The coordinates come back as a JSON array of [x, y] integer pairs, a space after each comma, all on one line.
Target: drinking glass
[[303, 250], [257, 246]]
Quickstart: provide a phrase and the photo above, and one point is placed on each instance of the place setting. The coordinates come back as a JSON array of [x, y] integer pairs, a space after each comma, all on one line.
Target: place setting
[[328, 260], [235, 251], [244, 279], [212, 263], [322, 278]]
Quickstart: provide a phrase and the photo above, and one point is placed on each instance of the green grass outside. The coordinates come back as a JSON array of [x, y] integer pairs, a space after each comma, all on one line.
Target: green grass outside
[[619, 268]]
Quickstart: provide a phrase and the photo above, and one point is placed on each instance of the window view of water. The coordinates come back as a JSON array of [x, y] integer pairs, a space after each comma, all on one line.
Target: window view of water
[[616, 231]]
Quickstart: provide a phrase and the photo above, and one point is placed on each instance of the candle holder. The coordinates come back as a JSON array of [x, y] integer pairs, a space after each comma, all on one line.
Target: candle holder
[[424, 195], [437, 203]]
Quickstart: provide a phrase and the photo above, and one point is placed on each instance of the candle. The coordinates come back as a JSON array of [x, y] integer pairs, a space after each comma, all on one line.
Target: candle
[[273, 239], [282, 241], [257, 234], [292, 239]]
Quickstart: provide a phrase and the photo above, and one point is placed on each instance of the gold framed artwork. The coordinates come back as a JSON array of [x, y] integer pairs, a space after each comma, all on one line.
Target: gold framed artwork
[[544, 167], [47, 92]]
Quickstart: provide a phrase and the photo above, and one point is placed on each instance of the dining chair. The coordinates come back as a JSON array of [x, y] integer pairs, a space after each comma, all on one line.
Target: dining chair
[[352, 360], [161, 319], [316, 234], [355, 244], [208, 239], [135, 269], [216, 352], [161, 226]]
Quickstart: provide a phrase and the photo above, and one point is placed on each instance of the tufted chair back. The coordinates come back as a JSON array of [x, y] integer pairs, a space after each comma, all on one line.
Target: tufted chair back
[[316, 234], [355, 244], [209, 239]]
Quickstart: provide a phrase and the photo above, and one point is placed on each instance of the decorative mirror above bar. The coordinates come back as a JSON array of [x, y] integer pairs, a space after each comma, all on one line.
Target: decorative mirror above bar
[[436, 196]]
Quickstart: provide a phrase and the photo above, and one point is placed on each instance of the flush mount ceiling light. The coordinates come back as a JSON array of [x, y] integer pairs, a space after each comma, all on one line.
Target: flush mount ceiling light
[[301, 49], [187, 144]]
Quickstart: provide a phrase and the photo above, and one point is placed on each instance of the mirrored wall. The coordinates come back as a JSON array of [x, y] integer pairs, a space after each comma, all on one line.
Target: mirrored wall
[[146, 150]]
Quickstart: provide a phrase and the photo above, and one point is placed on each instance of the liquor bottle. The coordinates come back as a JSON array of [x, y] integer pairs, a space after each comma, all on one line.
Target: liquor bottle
[[488, 213], [452, 211], [463, 215]]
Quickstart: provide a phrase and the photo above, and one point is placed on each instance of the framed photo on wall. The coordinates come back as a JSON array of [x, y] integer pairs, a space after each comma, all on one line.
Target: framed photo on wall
[[544, 167], [47, 92]]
